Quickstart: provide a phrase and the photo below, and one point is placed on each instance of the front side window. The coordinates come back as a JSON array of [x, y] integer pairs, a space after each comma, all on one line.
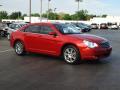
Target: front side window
[[45, 30]]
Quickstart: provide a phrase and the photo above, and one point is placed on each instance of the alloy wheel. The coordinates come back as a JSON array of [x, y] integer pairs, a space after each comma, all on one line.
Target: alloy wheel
[[70, 55], [19, 48]]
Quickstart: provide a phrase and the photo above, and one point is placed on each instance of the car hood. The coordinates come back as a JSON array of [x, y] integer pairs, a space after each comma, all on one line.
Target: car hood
[[88, 37]]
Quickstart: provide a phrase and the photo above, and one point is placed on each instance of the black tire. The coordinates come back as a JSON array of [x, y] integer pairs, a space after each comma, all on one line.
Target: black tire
[[19, 48], [73, 57], [2, 33]]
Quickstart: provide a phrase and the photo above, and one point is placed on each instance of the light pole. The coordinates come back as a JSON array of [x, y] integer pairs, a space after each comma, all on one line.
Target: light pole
[[18, 15], [30, 11], [54, 13], [40, 10], [48, 10], [78, 1], [0, 15]]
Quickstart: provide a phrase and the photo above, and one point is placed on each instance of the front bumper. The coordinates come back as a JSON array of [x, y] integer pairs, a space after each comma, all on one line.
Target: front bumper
[[96, 53]]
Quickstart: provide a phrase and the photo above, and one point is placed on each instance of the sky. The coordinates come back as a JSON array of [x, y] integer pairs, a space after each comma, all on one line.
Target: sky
[[98, 7]]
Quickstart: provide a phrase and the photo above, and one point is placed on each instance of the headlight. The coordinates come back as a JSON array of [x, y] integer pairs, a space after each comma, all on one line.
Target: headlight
[[90, 44]]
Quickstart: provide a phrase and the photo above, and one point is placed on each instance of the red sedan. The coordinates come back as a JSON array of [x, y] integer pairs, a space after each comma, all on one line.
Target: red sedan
[[59, 40]]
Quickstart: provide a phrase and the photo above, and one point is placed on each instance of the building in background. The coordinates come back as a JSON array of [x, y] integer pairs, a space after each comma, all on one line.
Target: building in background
[[97, 20], [108, 19]]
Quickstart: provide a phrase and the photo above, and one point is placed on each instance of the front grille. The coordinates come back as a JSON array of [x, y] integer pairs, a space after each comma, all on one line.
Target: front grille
[[105, 44]]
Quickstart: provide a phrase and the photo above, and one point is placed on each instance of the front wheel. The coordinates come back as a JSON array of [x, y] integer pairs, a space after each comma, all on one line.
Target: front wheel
[[19, 48], [71, 54]]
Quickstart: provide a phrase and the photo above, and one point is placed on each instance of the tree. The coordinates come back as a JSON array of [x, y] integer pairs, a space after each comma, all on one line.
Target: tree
[[79, 15], [82, 15], [44, 15], [74, 17], [92, 16], [104, 15], [67, 17], [24, 15], [15, 15], [51, 16], [61, 15], [35, 14], [3, 15]]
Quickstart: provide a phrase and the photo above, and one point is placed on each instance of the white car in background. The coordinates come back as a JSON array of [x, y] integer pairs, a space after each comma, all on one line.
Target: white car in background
[[94, 26], [113, 26], [13, 27], [119, 26]]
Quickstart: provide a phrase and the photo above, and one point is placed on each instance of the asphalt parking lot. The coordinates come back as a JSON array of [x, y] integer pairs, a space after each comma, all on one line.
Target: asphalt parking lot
[[39, 72]]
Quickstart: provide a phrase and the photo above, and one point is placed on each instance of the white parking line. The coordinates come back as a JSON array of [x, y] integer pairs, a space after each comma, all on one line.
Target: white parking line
[[6, 51]]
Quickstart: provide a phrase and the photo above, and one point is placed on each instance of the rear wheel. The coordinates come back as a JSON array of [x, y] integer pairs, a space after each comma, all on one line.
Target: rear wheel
[[19, 48], [71, 54], [2, 33]]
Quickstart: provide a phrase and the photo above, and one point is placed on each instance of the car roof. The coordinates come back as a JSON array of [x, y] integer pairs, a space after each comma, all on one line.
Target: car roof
[[19, 23], [94, 24], [48, 23]]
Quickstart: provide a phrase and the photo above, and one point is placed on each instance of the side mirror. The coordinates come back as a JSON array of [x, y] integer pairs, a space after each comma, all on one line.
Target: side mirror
[[53, 33]]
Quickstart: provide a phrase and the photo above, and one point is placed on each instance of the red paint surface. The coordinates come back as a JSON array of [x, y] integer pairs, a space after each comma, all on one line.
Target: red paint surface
[[48, 44]]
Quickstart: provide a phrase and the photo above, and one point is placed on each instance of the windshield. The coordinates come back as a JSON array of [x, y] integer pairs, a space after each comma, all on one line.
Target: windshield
[[82, 26], [73, 26], [67, 29]]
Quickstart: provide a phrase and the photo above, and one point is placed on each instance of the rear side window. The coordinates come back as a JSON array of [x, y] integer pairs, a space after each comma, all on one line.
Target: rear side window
[[38, 29], [33, 29]]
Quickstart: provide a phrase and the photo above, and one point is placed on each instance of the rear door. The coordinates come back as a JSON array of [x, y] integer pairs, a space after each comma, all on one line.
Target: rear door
[[32, 38]]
